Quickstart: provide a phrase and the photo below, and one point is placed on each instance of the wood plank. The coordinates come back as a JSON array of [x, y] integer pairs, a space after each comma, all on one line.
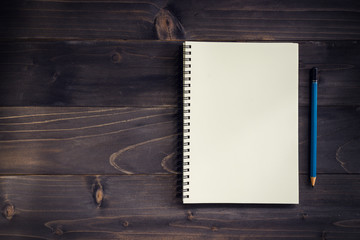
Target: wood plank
[[146, 207], [64, 140], [195, 20], [91, 74], [146, 73]]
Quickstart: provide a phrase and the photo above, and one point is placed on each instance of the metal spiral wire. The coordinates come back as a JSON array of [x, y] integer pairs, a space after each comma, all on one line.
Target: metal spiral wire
[[186, 121]]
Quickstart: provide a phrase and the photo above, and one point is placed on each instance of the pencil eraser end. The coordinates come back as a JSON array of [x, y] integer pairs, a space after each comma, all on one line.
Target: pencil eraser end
[[314, 74]]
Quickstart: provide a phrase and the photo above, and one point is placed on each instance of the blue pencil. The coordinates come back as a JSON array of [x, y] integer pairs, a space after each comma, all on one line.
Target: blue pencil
[[314, 89]]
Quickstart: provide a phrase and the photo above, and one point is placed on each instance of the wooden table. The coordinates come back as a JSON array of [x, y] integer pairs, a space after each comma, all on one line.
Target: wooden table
[[90, 118]]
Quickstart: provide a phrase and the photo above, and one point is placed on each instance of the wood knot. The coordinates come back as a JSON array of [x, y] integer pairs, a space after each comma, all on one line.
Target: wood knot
[[214, 229], [304, 216], [54, 77], [190, 216], [9, 211], [167, 26], [125, 223], [58, 231], [99, 195], [323, 235], [116, 57], [98, 192]]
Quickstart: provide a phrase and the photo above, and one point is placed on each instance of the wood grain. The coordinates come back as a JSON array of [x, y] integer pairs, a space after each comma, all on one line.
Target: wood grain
[[145, 207], [84, 140], [195, 20], [146, 73], [89, 140], [91, 74], [90, 118]]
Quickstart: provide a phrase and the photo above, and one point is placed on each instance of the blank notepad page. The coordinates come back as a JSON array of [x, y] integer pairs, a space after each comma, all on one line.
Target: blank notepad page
[[243, 123]]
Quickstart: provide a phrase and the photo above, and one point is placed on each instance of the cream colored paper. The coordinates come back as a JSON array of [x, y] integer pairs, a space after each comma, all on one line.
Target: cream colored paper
[[243, 123]]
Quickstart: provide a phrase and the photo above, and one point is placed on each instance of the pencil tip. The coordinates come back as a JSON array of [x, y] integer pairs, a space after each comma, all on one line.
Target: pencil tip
[[313, 179]]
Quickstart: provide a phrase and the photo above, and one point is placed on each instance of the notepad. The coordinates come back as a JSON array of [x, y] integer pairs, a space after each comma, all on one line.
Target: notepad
[[240, 123]]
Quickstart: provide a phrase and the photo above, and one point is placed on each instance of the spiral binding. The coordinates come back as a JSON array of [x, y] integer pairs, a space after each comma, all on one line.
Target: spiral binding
[[186, 114]]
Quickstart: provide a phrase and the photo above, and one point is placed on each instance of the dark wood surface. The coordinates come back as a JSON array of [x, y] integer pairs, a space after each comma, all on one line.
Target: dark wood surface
[[161, 19], [90, 118], [108, 140], [146, 206], [145, 73]]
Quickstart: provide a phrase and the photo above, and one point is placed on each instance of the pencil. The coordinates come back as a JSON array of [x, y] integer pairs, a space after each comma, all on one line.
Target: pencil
[[313, 146]]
